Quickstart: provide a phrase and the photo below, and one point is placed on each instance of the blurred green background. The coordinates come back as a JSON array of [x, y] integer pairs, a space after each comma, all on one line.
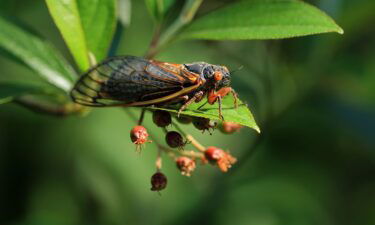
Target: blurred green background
[[314, 162]]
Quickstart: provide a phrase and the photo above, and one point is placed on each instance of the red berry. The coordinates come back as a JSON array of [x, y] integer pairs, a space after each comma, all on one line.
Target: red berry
[[223, 159], [186, 165], [174, 139], [184, 119], [213, 154], [230, 127], [139, 135], [204, 124], [158, 181], [161, 118]]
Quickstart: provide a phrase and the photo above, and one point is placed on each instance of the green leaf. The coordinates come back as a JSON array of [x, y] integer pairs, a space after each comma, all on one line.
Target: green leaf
[[124, 12], [12, 90], [261, 19], [158, 8], [241, 115], [98, 18], [67, 19], [86, 26], [37, 54]]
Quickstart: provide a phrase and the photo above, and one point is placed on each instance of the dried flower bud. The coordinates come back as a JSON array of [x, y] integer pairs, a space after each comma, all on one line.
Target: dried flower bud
[[230, 127], [186, 165], [139, 135], [204, 124], [158, 181], [174, 139], [184, 119], [161, 118], [223, 159]]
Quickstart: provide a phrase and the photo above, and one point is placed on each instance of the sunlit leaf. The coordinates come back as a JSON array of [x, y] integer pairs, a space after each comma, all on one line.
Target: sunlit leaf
[[241, 115], [87, 26], [124, 12], [261, 19], [98, 18], [67, 19], [37, 54]]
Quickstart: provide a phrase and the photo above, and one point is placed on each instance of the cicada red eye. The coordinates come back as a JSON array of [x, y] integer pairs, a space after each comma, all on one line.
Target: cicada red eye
[[218, 76]]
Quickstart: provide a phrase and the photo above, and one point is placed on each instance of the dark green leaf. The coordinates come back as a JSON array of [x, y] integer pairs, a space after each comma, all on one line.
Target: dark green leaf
[[12, 90], [37, 54], [261, 19], [87, 26], [241, 115], [158, 8]]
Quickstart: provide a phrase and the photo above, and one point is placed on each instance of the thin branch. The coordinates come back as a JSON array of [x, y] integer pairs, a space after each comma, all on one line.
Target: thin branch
[[195, 143], [49, 108], [187, 14]]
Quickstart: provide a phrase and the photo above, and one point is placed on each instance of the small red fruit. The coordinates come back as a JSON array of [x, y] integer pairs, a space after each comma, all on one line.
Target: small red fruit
[[175, 139], [184, 119], [158, 181], [230, 127], [139, 135], [186, 165], [223, 159], [161, 118], [204, 124]]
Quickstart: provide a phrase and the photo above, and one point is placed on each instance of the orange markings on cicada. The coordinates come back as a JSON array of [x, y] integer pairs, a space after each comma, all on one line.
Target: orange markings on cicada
[[214, 95], [218, 76]]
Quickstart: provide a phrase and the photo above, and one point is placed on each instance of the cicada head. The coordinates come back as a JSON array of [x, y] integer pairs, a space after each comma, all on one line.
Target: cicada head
[[217, 76]]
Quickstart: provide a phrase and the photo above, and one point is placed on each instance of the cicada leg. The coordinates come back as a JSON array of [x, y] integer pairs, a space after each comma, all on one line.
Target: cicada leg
[[220, 108], [196, 97], [235, 97], [214, 96]]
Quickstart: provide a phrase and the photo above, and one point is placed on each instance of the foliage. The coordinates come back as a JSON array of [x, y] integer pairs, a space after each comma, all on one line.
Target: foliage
[[261, 19], [313, 162], [88, 28]]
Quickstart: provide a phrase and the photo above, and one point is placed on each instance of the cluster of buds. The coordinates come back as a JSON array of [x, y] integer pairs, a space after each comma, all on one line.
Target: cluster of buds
[[175, 140], [185, 160], [230, 127], [224, 160], [139, 136], [158, 181], [186, 165], [204, 124]]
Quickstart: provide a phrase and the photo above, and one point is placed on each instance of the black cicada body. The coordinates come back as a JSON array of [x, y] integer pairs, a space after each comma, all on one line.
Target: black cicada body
[[133, 81]]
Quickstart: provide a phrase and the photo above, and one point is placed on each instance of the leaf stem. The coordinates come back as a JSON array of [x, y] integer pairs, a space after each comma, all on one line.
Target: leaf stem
[[195, 143], [49, 108], [190, 138], [187, 14]]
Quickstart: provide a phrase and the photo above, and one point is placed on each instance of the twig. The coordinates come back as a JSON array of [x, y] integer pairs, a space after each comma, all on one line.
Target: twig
[[195, 143], [49, 108], [140, 120], [185, 17]]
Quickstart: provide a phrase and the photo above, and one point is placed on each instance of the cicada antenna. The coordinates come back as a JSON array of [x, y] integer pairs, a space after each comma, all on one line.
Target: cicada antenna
[[236, 70]]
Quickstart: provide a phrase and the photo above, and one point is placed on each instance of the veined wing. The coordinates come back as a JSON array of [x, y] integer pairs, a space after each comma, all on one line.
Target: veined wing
[[130, 81]]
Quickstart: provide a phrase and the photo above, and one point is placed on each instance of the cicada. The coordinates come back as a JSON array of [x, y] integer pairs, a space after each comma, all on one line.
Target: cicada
[[133, 81]]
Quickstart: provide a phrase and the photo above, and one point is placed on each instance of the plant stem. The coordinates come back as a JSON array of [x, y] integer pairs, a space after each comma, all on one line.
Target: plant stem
[[190, 138], [189, 10], [45, 107], [195, 143], [140, 121]]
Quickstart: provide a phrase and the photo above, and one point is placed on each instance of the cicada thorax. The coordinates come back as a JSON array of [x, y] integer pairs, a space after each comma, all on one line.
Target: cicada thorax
[[133, 81]]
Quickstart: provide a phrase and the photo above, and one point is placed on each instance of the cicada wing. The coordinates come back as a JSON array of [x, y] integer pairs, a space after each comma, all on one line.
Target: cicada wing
[[125, 80]]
